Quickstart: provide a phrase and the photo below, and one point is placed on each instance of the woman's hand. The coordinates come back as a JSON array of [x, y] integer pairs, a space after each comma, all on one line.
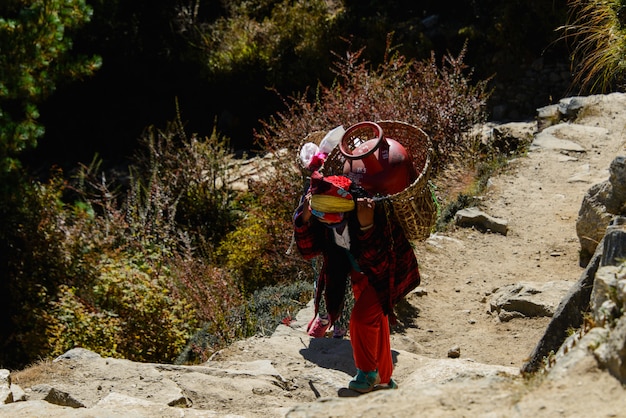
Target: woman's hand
[[365, 211]]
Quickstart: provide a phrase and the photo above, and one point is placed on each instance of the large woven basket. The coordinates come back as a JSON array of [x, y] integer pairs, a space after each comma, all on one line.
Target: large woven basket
[[415, 207]]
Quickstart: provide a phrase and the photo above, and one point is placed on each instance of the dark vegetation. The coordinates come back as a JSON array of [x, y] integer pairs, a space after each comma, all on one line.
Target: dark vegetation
[[225, 60], [119, 122]]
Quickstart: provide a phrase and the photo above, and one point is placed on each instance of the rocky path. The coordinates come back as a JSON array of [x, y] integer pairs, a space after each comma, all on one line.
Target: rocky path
[[290, 374], [463, 269], [539, 196]]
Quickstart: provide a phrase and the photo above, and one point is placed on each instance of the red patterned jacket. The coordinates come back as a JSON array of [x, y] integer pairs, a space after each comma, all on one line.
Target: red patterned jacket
[[382, 253]]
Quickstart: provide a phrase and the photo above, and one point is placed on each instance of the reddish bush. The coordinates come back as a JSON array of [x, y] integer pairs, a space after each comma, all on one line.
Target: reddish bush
[[439, 99]]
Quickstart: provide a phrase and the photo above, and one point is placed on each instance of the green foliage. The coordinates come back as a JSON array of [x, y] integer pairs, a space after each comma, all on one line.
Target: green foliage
[[462, 201], [179, 187], [287, 40], [72, 322], [275, 211], [493, 158], [126, 275], [175, 212], [214, 296], [128, 312], [244, 254], [256, 252], [597, 30], [44, 243], [35, 55], [267, 308], [278, 304], [136, 288], [72, 281]]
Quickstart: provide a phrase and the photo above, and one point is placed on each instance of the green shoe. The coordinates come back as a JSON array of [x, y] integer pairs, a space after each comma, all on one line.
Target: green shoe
[[391, 385], [364, 382]]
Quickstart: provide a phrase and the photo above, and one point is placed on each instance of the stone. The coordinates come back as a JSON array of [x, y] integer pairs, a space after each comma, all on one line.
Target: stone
[[592, 220], [6, 395], [19, 394], [615, 242], [612, 351], [475, 218], [568, 315], [576, 349], [528, 299], [562, 137], [602, 307], [59, 397], [77, 353], [454, 352], [570, 106], [600, 204]]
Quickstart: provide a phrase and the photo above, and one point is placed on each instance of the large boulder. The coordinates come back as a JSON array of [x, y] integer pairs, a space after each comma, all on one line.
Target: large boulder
[[601, 203]]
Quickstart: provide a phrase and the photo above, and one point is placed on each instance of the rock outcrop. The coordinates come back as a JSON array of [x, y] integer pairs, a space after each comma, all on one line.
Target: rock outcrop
[[83, 384], [602, 202], [527, 300]]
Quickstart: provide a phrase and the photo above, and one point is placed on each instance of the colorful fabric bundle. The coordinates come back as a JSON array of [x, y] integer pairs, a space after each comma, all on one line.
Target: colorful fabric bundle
[[330, 197]]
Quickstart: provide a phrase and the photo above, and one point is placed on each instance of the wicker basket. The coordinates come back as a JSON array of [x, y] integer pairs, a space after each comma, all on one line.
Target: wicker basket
[[414, 208]]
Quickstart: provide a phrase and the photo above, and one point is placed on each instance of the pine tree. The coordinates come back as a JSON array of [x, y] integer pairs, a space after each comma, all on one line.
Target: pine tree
[[35, 56]]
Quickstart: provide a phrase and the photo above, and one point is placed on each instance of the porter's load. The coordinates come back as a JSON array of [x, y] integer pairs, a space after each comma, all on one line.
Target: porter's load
[[391, 160], [376, 162]]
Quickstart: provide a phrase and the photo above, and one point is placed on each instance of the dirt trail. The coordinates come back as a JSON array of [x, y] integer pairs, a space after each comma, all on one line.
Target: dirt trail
[[539, 196]]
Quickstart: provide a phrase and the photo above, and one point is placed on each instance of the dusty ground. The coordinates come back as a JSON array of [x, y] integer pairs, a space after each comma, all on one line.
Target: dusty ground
[[462, 267], [539, 195]]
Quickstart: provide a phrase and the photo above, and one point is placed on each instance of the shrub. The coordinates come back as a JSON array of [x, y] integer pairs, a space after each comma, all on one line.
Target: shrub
[[215, 297], [274, 305], [244, 254], [264, 311], [258, 254], [597, 30], [179, 185], [72, 322], [125, 275], [85, 282], [285, 41], [44, 244], [128, 312], [440, 100]]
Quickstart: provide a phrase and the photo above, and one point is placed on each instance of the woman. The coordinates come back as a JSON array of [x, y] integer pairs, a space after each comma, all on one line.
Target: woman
[[357, 239]]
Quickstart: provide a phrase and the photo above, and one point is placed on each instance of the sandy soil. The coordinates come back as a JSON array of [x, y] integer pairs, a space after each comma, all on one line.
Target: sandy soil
[[539, 196]]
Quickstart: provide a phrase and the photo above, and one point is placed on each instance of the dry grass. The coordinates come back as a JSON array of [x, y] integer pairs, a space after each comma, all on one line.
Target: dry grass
[[455, 180], [40, 372], [597, 33]]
